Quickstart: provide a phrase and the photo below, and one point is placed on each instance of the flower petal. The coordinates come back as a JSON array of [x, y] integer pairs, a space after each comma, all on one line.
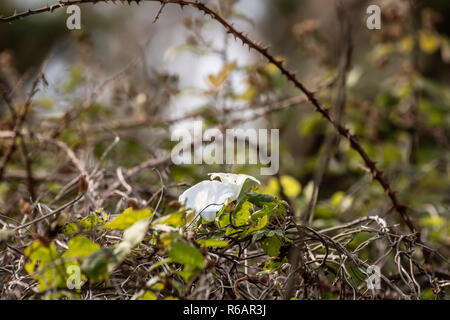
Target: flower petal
[[236, 181], [233, 178], [207, 198]]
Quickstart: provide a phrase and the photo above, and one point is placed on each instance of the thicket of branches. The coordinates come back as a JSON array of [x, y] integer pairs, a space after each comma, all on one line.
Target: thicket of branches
[[94, 186]]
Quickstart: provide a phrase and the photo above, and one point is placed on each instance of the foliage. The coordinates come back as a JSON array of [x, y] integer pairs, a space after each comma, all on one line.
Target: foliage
[[96, 142]]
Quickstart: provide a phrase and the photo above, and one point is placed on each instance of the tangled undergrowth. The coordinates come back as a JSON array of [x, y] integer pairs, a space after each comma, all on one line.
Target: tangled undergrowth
[[75, 224], [244, 254]]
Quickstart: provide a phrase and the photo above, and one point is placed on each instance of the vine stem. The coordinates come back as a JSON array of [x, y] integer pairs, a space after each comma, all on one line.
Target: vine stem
[[377, 174]]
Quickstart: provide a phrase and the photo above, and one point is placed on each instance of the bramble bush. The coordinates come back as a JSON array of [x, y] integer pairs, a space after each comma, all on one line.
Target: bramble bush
[[93, 207]]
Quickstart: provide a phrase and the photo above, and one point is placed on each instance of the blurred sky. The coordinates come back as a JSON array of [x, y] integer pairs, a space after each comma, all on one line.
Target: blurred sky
[[165, 35]]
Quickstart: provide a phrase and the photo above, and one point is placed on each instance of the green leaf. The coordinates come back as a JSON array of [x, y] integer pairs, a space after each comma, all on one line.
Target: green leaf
[[260, 198], [91, 221], [85, 224], [127, 218], [80, 246], [183, 253], [242, 214], [188, 273], [259, 234], [248, 185], [70, 228], [224, 220], [96, 265], [278, 233], [212, 243], [272, 245], [270, 264], [179, 286]]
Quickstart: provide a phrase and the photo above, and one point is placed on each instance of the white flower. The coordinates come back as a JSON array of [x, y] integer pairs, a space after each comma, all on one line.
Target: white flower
[[208, 197], [235, 180]]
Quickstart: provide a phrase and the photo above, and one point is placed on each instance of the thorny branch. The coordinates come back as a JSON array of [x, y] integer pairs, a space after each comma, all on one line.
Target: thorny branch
[[323, 250], [377, 174]]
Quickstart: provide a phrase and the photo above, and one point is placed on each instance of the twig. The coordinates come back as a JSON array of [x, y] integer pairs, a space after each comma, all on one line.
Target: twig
[[377, 174], [19, 120], [58, 210]]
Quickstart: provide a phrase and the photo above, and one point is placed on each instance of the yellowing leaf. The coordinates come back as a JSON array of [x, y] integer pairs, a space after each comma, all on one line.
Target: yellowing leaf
[[337, 198], [217, 80], [309, 123], [159, 286], [291, 186], [261, 224], [127, 218], [272, 187], [80, 246], [175, 219], [168, 237], [249, 93], [212, 243], [434, 221], [429, 42], [243, 214], [148, 295], [39, 256], [406, 44], [272, 69], [43, 268]]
